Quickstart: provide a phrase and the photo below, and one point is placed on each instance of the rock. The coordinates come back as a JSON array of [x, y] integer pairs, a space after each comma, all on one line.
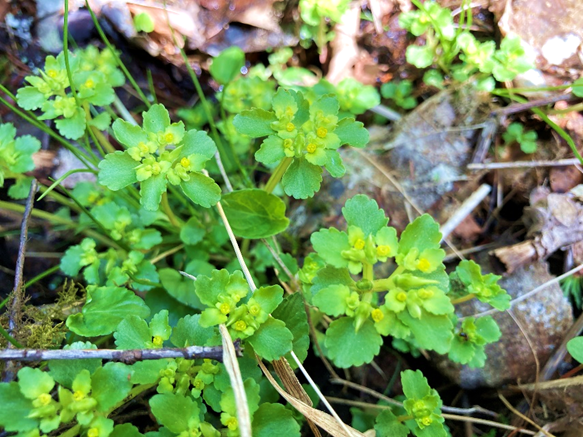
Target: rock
[[545, 317]]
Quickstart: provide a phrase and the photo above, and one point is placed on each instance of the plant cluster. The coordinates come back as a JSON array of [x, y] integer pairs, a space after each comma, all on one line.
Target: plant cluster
[[413, 304], [515, 133], [445, 42], [150, 215]]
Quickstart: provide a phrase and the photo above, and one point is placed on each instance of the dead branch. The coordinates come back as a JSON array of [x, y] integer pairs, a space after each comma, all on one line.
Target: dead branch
[[126, 356]]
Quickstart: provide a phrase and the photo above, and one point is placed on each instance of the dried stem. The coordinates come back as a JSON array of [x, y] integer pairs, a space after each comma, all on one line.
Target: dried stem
[[126, 356]]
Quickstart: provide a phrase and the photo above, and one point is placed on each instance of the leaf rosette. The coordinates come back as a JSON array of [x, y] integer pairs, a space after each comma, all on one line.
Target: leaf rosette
[[159, 153]]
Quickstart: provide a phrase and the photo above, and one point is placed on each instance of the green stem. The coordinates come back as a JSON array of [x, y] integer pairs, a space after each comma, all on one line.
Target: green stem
[[386, 284], [123, 111], [55, 219], [62, 178], [9, 338], [139, 389], [42, 275], [66, 52], [116, 56], [367, 272], [575, 108], [176, 222], [404, 418], [96, 135], [463, 299], [86, 160], [278, 174], [71, 432]]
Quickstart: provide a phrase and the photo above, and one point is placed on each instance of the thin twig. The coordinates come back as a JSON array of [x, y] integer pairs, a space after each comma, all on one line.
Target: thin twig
[[126, 356], [445, 416], [391, 401], [464, 210], [522, 164], [521, 107], [15, 308], [522, 416]]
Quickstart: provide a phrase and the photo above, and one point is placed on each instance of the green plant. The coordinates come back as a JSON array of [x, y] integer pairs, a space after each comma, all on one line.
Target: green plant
[[151, 216], [400, 93], [16, 159], [444, 44], [415, 306], [422, 406], [315, 13], [515, 133]]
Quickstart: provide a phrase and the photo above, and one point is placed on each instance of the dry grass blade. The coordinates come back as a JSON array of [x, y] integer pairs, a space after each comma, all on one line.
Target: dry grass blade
[[523, 417], [292, 384], [232, 366], [323, 420]]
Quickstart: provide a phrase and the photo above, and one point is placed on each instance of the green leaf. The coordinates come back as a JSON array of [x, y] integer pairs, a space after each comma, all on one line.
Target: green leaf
[[34, 382], [575, 348], [21, 188], [117, 171], [274, 420], [352, 133], [202, 190], [65, 371], [461, 351], [148, 371], [577, 88], [302, 179], [363, 212], [179, 287], [293, 313], [30, 98], [188, 332], [348, 348], [268, 297], [431, 332], [272, 340], [254, 213], [387, 425], [209, 289], [125, 430], [332, 300], [329, 243], [191, 233], [72, 128], [132, 333], [130, 135], [151, 191], [423, 233], [110, 384], [255, 122], [104, 309], [143, 22], [156, 119], [15, 409], [198, 143], [420, 57], [101, 121], [271, 150], [173, 410], [251, 390], [415, 385], [227, 65]]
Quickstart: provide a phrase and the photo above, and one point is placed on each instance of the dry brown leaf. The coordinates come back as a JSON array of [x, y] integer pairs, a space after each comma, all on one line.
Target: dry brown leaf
[[292, 384], [232, 367], [323, 420]]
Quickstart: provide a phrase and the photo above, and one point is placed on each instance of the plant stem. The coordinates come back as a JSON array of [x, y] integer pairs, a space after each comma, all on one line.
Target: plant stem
[[123, 111], [55, 219], [72, 432], [463, 299], [116, 56], [86, 160], [176, 222], [278, 174], [41, 275], [367, 272]]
